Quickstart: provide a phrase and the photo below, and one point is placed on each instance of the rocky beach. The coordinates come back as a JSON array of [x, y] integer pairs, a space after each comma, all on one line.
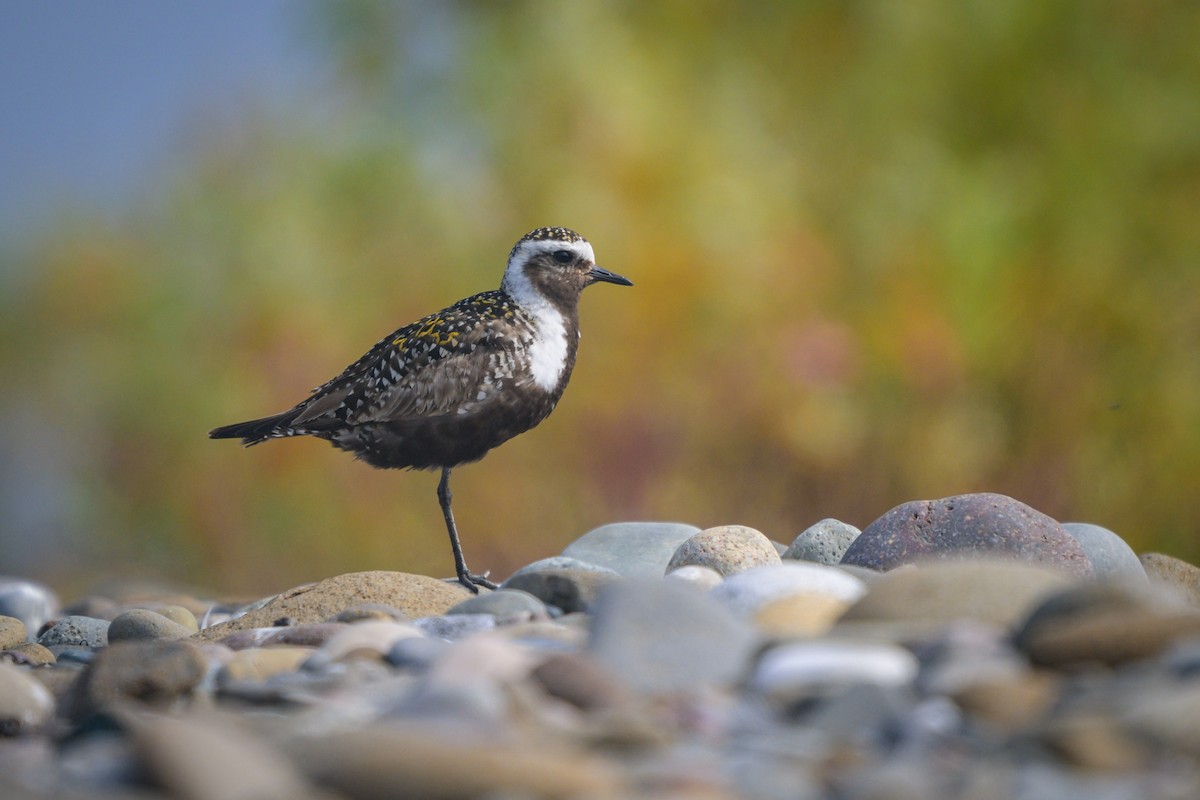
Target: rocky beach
[[969, 648]]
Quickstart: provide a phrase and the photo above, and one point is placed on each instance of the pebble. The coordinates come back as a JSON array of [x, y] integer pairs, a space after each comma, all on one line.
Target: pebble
[[963, 526], [823, 543], [151, 673], [661, 636], [1108, 622], [1170, 571], [632, 549], [998, 591], [139, 624], [990, 678], [1111, 556], [412, 595], [506, 605], [12, 632], [24, 702], [29, 601], [567, 590], [748, 592], [727, 549], [75, 631], [559, 562]]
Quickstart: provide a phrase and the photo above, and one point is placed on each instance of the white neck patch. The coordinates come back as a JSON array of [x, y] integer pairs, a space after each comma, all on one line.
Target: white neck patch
[[548, 353]]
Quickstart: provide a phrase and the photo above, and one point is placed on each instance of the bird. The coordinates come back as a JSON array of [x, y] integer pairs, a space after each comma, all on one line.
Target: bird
[[443, 391]]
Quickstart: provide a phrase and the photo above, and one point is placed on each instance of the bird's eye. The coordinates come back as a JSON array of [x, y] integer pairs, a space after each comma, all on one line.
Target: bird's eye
[[563, 256]]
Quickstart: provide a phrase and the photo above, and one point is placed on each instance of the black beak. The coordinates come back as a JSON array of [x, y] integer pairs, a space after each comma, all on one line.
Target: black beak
[[597, 274]]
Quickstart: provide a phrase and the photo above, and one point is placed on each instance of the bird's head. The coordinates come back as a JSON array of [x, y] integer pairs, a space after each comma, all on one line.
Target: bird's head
[[553, 265]]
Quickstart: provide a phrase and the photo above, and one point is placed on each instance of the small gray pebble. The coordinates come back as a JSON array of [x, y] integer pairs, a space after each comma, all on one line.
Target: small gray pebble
[[823, 543], [458, 626], [78, 631], [1111, 556], [416, 653]]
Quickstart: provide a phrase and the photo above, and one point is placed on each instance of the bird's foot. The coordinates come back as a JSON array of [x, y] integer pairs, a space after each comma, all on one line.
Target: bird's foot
[[473, 582]]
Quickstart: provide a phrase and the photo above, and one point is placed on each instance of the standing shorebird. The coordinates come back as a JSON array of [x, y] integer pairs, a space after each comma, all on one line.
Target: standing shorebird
[[448, 388]]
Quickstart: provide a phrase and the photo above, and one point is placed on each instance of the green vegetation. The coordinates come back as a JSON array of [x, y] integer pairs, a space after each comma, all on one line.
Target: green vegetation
[[882, 252]]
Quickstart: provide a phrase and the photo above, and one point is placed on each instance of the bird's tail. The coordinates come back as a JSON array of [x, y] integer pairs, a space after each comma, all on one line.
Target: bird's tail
[[256, 430]]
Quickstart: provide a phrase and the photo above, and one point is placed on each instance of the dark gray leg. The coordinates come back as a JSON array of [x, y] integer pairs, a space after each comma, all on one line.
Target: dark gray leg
[[472, 582]]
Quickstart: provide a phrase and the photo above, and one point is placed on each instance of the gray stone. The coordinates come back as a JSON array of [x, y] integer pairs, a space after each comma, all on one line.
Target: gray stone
[[558, 562], [728, 549], [416, 653], [453, 627], [965, 526], [660, 637], [29, 601], [632, 549], [1110, 555], [24, 702], [153, 673], [506, 605], [823, 543], [568, 590], [76, 632], [140, 624]]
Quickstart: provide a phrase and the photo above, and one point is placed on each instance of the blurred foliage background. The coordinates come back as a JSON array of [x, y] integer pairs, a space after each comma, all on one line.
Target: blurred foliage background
[[882, 252]]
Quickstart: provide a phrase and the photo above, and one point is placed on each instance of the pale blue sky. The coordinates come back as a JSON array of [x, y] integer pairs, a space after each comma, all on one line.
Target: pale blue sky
[[94, 96]]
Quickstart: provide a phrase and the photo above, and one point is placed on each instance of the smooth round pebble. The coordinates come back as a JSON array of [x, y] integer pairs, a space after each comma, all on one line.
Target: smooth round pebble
[[506, 605], [568, 590], [823, 543], [696, 575], [747, 592], [260, 663], [632, 549], [140, 624], [557, 562], [995, 590], [154, 673], [375, 637], [24, 702], [76, 631], [799, 615], [29, 653], [793, 669], [416, 653], [455, 627], [969, 525], [12, 632], [178, 614], [727, 549], [1170, 571], [1110, 555]]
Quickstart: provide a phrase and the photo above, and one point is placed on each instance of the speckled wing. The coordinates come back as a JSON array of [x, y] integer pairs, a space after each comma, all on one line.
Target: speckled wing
[[453, 361]]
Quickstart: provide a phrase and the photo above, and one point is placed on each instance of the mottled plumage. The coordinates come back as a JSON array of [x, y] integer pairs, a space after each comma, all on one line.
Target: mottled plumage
[[448, 388]]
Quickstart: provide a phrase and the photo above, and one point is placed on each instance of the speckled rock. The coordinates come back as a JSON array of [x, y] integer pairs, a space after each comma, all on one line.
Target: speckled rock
[[1111, 557], [413, 595], [632, 549], [823, 543], [12, 632], [999, 591], [24, 702], [728, 549], [75, 631], [964, 526], [660, 636], [140, 624], [154, 673], [568, 590], [1171, 571], [1106, 622]]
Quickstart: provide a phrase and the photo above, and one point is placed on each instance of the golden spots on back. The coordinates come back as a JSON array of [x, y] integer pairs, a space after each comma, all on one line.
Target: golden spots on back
[[399, 341]]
